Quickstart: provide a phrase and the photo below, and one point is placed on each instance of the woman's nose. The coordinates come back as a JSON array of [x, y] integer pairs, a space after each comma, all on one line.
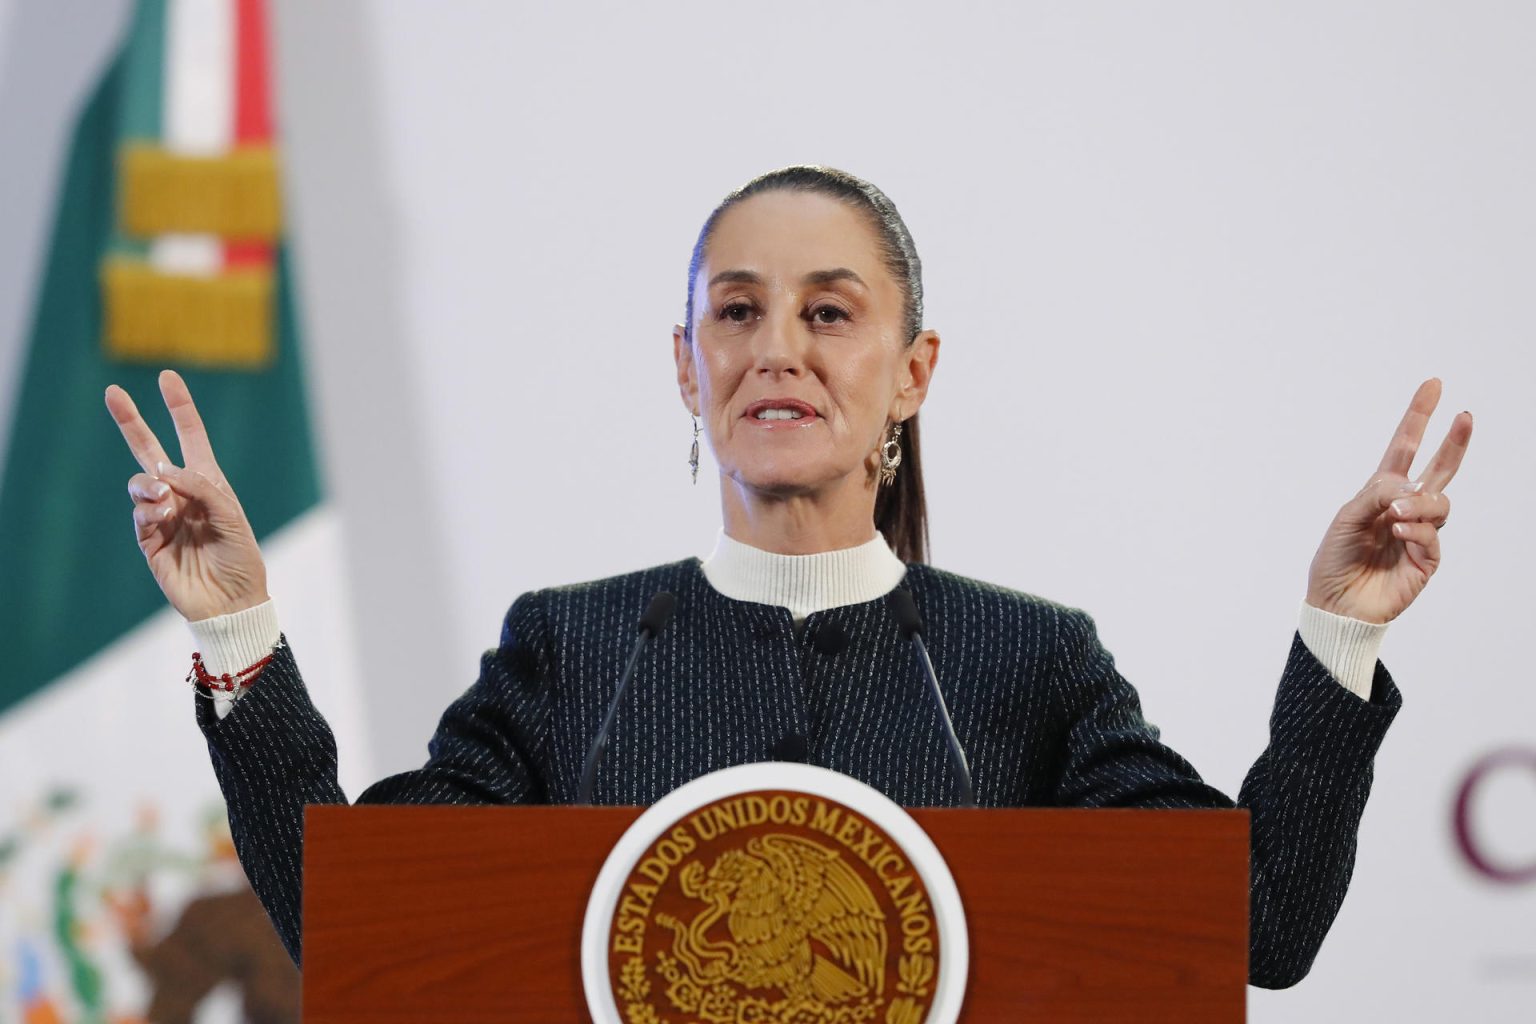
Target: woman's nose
[[780, 345]]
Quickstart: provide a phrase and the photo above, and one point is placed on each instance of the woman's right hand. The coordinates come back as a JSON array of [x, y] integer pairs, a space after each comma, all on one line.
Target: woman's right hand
[[191, 528]]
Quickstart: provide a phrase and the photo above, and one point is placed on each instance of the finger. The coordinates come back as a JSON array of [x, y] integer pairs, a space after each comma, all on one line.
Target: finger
[[1423, 535], [149, 518], [1405, 441], [1376, 497], [196, 451], [190, 484], [1447, 458], [141, 440], [144, 488], [1428, 508]]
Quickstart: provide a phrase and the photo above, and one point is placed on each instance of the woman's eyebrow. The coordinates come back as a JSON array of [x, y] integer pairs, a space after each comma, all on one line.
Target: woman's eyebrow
[[815, 277], [837, 274], [736, 277]]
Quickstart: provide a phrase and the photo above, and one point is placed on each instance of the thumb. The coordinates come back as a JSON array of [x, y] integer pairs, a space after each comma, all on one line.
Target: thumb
[[1375, 498], [194, 486]]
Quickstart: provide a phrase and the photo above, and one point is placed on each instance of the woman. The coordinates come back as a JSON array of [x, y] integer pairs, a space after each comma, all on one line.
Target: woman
[[803, 355]]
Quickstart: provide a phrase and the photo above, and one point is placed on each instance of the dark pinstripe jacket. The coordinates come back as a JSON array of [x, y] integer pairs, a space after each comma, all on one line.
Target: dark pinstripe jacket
[[1044, 715]]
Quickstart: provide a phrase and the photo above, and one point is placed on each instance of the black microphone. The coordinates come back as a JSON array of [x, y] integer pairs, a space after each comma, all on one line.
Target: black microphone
[[657, 614], [911, 626], [792, 747], [830, 639]]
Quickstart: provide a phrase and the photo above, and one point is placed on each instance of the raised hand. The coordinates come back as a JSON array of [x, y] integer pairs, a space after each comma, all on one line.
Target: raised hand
[[1384, 544], [191, 528]]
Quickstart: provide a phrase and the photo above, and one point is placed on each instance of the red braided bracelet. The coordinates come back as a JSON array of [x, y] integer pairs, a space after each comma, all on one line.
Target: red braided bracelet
[[226, 682]]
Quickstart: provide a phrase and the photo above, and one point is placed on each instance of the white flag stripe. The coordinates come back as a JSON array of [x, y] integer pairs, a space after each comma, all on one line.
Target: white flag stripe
[[196, 255], [197, 113], [198, 92]]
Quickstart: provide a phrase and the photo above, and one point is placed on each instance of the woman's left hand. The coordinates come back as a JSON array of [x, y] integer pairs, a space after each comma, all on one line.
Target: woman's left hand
[[1384, 544]]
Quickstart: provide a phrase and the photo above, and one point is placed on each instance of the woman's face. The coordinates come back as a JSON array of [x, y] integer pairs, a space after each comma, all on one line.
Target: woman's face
[[798, 360]]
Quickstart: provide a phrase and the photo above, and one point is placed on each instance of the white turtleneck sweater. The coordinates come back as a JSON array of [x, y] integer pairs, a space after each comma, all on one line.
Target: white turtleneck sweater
[[1347, 647]]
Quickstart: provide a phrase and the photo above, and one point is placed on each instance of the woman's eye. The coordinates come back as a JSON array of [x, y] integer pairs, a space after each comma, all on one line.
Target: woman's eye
[[737, 312], [828, 314]]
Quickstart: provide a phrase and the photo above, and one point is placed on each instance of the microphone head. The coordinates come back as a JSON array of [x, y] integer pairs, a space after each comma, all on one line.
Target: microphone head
[[791, 748], [830, 639], [658, 613], [904, 609]]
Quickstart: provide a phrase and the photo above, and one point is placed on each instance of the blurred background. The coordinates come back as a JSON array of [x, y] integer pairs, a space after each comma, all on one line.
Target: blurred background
[[1189, 261]]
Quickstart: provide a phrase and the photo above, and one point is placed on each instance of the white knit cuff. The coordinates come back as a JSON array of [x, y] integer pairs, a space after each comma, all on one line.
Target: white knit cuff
[[1347, 647], [229, 643]]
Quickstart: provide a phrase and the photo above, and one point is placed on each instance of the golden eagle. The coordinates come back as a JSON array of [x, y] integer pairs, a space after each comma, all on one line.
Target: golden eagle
[[800, 921]]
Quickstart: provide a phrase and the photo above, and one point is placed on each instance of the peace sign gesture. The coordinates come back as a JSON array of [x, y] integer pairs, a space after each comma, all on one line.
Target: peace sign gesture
[[1384, 544], [191, 528]]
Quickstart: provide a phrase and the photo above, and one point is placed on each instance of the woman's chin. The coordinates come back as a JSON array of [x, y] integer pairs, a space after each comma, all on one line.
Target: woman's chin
[[779, 480]]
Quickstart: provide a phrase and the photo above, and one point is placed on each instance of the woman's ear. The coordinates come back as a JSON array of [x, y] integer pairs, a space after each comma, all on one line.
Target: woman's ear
[[919, 360], [687, 382]]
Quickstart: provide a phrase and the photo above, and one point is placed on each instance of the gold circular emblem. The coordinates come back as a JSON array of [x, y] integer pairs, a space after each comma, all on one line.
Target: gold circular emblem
[[773, 907]]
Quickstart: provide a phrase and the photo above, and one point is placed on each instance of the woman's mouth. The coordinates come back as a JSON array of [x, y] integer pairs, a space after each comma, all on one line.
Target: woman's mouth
[[781, 412]]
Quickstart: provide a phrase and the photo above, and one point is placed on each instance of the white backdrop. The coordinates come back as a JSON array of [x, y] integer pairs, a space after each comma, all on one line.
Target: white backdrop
[[1189, 262]]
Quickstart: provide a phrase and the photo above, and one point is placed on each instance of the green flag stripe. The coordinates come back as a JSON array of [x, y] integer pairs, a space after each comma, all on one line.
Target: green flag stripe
[[144, 83], [143, 108]]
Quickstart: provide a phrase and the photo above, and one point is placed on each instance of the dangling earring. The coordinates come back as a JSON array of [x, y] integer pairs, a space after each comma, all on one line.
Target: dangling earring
[[693, 453], [890, 455]]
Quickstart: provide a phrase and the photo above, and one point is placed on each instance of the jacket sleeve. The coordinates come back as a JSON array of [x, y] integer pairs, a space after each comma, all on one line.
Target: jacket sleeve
[[1305, 794], [274, 754]]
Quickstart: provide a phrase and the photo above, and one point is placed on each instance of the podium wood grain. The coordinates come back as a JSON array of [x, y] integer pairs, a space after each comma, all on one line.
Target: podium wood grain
[[473, 914]]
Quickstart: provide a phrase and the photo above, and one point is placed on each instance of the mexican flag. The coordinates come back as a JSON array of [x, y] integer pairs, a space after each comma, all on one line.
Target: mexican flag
[[119, 896]]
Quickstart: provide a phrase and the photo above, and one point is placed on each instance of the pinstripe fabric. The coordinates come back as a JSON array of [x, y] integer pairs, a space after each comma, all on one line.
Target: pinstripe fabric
[[1044, 715]]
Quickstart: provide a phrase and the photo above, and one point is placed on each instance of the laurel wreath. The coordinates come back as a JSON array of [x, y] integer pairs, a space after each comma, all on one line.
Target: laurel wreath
[[913, 973]]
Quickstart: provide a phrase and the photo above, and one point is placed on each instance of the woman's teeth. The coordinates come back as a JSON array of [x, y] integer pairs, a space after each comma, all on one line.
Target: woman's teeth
[[780, 414]]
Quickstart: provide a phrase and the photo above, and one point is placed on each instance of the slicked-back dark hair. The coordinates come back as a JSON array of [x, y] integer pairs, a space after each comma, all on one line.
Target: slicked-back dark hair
[[901, 509]]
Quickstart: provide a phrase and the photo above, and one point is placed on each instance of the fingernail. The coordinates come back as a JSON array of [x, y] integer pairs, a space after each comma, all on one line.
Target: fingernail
[[1400, 507], [1412, 488], [161, 490], [167, 512], [162, 468]]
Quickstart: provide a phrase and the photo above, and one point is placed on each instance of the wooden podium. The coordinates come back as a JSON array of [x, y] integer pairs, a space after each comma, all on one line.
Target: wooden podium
[[474, 914]]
